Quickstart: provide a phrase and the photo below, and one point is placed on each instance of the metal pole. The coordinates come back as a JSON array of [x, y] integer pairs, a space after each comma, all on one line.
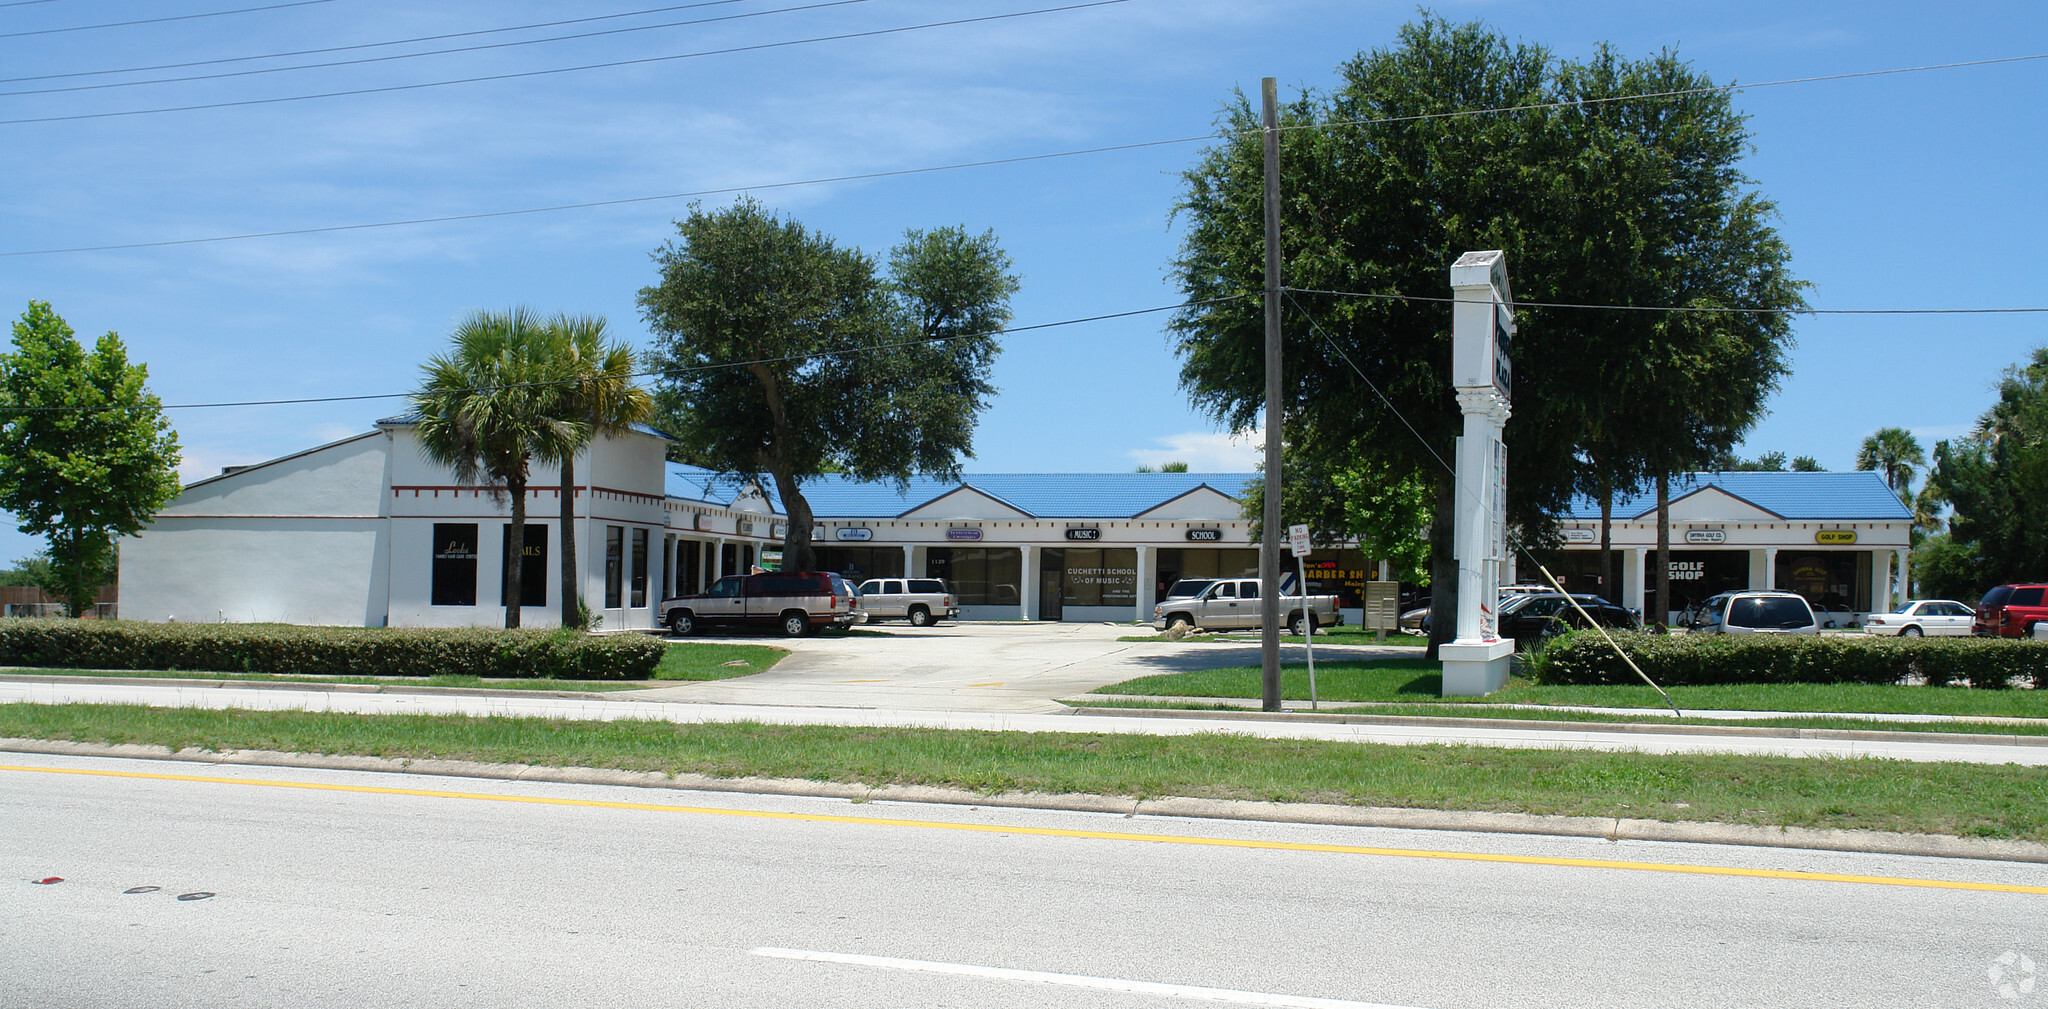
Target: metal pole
[[1308, 628], [1269, 553]]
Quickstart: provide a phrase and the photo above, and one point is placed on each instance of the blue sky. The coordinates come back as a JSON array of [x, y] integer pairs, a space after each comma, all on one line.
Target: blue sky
[[1918, 190]]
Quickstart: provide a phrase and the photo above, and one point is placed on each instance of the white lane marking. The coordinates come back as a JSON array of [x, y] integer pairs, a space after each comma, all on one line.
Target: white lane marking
[[1073, 980]]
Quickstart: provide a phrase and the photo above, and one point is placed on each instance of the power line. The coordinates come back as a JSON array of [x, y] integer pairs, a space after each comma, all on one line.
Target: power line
[[864, 176], [721, 191], [154, 21], [432, 52], [560, 70], [1697, 309], [363, 45], [721, 366]]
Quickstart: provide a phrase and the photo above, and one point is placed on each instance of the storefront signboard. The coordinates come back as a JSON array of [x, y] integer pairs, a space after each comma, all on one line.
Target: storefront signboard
[[963, 534], [1706, 536], [856, 534], [779, 531], [1205, 535], [1835, 537], [1085, 535], [746, 527], [1575, 535]]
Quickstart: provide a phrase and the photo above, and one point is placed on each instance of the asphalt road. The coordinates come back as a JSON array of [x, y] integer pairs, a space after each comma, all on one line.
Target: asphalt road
[[362, 890]]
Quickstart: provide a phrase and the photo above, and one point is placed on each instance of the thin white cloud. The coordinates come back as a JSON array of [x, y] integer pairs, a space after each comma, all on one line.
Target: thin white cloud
[[1207, 451]]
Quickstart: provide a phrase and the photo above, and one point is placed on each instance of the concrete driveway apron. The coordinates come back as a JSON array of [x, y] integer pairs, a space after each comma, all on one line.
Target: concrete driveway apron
[[1007, 666]]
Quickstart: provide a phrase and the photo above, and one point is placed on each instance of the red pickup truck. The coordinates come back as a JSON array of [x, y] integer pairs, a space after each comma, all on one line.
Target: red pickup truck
[[796, 602]]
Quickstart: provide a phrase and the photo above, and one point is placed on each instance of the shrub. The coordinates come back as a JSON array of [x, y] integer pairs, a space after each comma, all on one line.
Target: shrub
[[328, 651], [1694, 659]]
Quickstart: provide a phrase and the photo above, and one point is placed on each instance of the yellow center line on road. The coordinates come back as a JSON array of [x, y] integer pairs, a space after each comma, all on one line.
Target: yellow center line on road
[[1098, 835]]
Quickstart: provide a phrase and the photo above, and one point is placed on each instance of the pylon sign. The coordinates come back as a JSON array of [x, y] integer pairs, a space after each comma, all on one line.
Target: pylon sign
[[1482, 373]]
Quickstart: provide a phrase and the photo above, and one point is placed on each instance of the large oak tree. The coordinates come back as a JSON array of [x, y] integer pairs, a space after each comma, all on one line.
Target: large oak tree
[[1391, 175], [783, 355]]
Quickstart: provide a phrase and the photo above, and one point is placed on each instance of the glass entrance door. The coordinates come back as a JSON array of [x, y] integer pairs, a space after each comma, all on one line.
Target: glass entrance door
[[1052, 579]]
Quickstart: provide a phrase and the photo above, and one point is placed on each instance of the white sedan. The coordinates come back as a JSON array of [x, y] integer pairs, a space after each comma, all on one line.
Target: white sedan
[[1922, 616]]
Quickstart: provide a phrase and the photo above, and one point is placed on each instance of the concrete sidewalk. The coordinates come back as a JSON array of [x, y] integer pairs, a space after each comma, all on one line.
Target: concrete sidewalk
[[1358, 729]]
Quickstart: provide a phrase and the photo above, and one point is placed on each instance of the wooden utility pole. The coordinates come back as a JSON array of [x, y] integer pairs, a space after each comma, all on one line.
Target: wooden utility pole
[[1269, 549]]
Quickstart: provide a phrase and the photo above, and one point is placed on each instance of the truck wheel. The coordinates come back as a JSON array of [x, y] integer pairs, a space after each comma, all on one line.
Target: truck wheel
[[1179, 620], [1294, 624], [920, 617], [682, 623], [795, 625]]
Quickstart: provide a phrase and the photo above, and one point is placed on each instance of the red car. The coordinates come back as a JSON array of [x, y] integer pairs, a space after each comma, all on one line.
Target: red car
[[2011, 611]]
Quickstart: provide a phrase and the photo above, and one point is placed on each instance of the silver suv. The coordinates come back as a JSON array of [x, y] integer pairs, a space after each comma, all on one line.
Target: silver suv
[[1757, 611], [922, 601]]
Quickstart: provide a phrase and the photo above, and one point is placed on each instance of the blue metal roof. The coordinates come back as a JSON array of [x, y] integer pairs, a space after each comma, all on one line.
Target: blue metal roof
[[1041, 495], [1808, 496]]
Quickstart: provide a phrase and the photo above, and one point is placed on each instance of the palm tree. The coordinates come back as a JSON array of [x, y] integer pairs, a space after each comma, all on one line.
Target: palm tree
[[600, 400], [489, 406], [1895, 453]]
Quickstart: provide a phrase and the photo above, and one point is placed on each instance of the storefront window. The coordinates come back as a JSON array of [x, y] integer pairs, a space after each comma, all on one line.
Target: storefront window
[[1699, 574], [639, 567], [862, 563], [1204, 562], [1579, 571], [614, 561], [980, 576], [1832, 580], [1099, 578], [1340, 573], [533, 571], [454, 564]]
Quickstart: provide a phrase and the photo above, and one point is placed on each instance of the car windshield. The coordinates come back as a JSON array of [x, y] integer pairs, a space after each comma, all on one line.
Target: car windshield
[[1781, 612]]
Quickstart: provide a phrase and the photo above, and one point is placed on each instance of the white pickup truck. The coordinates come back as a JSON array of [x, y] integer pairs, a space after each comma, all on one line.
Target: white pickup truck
[[1233, 603]]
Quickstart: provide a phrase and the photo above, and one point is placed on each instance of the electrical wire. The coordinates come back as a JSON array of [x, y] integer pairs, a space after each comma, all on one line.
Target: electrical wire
[[434, 52], [1424, 442], [1700, 309], [1223, 135], [660, 372], [364, 45], [155, 21], [387, 89]]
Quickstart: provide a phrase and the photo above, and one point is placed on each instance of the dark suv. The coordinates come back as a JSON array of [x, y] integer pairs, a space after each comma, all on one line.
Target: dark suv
[[796, 602], [2011, 611]]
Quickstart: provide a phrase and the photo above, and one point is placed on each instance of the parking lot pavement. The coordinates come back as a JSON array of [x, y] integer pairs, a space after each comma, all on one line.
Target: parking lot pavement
[[1002, 666]]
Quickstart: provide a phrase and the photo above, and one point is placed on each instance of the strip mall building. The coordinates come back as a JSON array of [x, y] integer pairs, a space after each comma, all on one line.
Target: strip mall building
[[367, 531]]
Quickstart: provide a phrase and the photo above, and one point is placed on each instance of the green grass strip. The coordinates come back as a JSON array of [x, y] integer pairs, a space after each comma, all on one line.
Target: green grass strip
[[1419, 681], [1969, 800]]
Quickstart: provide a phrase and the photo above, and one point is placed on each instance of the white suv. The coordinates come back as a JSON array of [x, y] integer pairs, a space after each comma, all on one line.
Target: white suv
[[1757, 612], [922, 601]]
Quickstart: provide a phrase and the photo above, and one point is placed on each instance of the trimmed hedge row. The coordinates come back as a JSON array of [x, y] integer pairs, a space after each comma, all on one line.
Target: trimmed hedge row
[[329, 651], [1694, 659]]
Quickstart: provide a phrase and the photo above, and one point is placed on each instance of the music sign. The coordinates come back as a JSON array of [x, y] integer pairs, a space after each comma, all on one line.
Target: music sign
[[1085, 535]]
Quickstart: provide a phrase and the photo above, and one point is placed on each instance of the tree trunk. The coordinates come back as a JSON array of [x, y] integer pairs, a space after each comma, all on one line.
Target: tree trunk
[[572, 595], [1663, 572], [1443, 566], [515, 557], [797, 554], [1607, 548]]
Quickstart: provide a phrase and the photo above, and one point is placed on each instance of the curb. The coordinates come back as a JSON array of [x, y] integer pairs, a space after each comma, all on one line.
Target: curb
[[1602, 827], [1556, 725]]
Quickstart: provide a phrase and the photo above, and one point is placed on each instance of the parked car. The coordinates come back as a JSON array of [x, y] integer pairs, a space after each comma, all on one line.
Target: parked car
[[1416, 621], [922, 601], [1922, 616], [1756, 611], [1531, 617], [1233, 603], [2011, 611], [796, 602]]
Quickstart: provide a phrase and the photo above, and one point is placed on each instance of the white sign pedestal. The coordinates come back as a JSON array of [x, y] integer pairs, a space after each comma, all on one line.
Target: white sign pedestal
[[1482, 328]]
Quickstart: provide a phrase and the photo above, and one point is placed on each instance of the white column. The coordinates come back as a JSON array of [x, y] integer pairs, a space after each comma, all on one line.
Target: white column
[[1145, 566], [1905, 574], [1881, 581], [910, 561], [1635, 561], [1770, 578], [718, 558], [1027, 592]]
